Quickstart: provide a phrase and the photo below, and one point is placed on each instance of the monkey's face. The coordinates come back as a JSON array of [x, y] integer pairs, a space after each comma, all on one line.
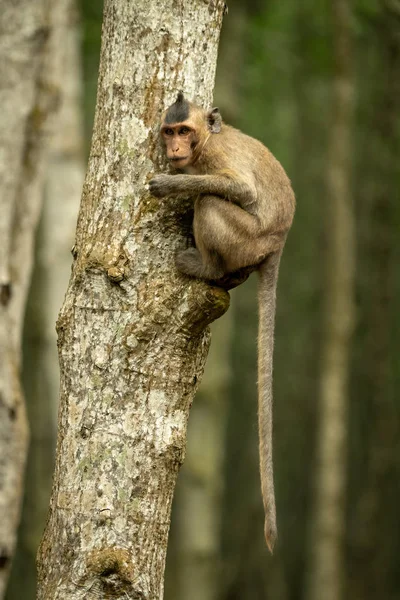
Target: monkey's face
[[180, 140]]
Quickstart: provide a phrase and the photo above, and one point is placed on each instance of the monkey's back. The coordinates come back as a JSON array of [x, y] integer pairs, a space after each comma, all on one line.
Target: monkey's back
[[248, 160]]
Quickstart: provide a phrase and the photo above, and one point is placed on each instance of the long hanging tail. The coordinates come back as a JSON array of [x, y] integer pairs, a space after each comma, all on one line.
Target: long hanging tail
[[268, 272]]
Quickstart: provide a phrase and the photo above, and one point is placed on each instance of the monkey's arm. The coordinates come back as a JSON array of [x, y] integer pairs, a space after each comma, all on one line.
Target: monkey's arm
[[231, 189]]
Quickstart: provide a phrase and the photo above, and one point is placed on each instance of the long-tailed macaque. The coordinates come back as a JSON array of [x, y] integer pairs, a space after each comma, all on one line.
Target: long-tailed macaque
[[243, 209]]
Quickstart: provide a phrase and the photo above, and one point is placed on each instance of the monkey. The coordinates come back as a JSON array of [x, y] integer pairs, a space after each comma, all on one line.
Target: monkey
[[243, 209]]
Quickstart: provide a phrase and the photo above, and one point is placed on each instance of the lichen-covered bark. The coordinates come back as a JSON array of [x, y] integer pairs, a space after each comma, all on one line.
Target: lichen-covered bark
[[133, 334], [27, 94]]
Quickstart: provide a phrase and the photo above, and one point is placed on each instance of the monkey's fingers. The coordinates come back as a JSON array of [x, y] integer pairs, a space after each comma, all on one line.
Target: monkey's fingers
[[155, 189]]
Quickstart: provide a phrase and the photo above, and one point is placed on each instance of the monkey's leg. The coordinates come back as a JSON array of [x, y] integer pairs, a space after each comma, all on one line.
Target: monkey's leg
[[230, 232], [190, 263]]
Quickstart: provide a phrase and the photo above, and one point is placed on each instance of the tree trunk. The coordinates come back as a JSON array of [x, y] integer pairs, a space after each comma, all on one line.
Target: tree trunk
[[327, 541], [28, 93], [50, 277], [133, 335]]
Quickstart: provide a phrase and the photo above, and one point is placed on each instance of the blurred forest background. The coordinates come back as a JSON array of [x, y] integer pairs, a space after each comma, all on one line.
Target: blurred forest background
[[308, 83]]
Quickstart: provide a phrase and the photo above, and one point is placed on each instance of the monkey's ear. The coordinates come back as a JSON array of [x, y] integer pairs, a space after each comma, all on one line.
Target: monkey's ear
[[214, 120]]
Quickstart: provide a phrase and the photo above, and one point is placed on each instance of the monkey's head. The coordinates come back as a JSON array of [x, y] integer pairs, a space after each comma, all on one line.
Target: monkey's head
[[185, 129]]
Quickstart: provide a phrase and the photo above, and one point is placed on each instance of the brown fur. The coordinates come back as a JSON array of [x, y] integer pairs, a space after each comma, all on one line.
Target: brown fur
[[244, 207]]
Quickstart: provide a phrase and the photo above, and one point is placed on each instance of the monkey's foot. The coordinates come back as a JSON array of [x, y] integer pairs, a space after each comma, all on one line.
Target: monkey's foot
[[189, 262], [232, 280]]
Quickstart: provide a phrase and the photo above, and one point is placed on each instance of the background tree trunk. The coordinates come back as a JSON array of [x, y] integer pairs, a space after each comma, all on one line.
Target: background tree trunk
[[28, 94], [326, 571], [50, 277], [133, 334]]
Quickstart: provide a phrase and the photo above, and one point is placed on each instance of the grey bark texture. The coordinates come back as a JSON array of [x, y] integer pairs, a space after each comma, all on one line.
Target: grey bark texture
[[327, 566], [28, 95], [133, 335]]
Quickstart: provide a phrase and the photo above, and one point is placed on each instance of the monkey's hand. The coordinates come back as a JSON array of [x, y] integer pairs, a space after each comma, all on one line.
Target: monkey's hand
[[163, 185]]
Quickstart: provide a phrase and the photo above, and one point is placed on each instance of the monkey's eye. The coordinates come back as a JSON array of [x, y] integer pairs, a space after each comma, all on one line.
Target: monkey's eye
[[168, 131], [184, 130]]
